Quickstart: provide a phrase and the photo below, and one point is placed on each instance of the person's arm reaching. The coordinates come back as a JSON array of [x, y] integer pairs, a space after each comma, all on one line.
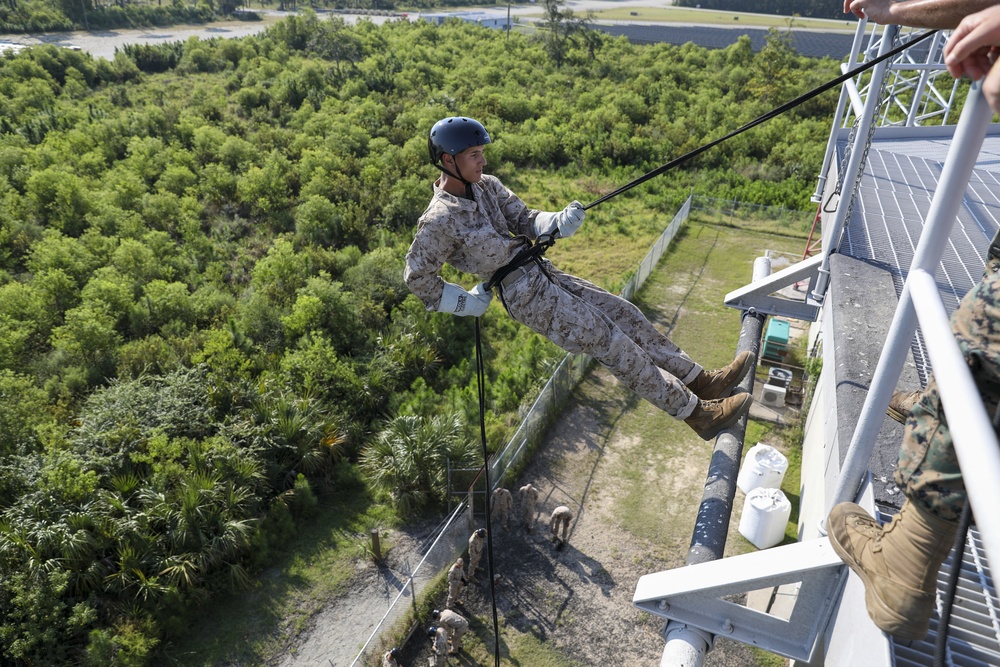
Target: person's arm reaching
[[939, 14], [972, 50]]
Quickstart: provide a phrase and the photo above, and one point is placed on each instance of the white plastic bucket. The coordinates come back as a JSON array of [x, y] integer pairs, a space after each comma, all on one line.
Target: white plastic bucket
[[765, 515], [764, 466]]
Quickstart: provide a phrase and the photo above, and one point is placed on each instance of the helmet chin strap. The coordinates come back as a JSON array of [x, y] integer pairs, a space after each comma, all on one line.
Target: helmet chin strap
[[468, 186]]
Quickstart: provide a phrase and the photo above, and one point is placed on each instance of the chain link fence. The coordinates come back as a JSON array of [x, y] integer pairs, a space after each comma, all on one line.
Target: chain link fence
[[745, 215], [453, 536]]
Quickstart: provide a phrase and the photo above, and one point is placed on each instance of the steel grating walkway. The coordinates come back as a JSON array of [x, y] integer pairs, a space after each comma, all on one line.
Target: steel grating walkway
[[974, 632], [894, 197]]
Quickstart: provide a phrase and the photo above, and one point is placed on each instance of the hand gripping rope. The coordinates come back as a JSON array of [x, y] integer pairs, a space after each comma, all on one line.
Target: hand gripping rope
[[534, 252]]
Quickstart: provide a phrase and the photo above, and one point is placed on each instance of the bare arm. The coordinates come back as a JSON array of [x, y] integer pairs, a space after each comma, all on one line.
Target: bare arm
[[941, 14], [972, 50]]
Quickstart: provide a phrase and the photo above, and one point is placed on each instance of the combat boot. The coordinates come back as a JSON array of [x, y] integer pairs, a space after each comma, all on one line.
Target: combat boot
[[901, 403], [898, 563], [710, 385], [710, 417]]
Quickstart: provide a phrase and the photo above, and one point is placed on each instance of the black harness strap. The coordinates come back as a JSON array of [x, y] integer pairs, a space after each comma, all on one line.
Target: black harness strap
[[532, 253]]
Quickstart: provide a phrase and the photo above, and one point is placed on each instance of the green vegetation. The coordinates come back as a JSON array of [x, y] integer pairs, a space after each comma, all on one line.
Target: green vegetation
[[204, 333]]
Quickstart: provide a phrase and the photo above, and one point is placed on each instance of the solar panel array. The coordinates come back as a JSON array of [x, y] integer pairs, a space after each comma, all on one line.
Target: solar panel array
[[811, 43]]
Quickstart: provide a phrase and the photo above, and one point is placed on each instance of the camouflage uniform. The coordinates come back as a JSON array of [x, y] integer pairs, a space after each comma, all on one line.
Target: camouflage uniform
[[476, 545], [561, 516], [387, 660], [928, 469], [503, 505], [528, 495], [481, 236], [456, 583], [456, 626], [441, 647]]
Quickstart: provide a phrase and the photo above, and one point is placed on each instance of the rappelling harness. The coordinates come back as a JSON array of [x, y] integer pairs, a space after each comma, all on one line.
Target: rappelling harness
[[533, 253]]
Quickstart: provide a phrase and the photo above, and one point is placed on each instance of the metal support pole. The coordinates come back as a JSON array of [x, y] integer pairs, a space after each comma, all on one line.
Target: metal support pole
[[948, 196], [854, 165], [685, 645], [838, 115], [911, 117]]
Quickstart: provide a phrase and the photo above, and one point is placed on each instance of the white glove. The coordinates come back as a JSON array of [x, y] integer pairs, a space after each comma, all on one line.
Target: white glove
[[459, 302], [566, 221]]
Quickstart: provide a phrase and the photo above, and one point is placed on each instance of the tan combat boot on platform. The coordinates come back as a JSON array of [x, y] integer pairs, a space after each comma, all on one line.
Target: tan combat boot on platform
[[710, 417], [898, 563], [710, 385], [901, 403]]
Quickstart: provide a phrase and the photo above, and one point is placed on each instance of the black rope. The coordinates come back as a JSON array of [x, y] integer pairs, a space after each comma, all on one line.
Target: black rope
[[481, 378], [766, 117], [958, 553], [536, 250]]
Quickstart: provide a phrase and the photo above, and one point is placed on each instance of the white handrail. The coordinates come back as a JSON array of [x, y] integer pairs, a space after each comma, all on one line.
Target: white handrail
[[972, 433]]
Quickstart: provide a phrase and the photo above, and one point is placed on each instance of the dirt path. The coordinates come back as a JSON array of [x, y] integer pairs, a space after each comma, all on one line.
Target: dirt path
[[580, 598]]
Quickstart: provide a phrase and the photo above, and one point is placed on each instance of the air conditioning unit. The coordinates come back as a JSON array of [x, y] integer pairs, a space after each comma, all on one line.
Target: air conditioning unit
[[773, 396]]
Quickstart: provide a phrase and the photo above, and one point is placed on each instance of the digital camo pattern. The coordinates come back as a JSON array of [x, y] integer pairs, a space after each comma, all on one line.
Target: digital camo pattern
[[928, 468], [476, 237], [476, 544], [440, 648], [561, 518], [456, 575], [481, 236], [503, 505], [582, 318], [456, 625], [528, 495]]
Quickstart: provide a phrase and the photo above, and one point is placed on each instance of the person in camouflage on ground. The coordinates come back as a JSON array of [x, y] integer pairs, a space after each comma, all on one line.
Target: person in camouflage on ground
[[502, 507], [454, 623], [527, 495], [391, 658], [477, 541], [899, 562], [561, 517], [478, 226], [439, 645], [456, 583]]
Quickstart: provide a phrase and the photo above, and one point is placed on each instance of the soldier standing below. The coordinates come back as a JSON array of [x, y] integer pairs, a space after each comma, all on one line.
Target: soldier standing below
[[528, 496], [455, 624], [476, 543], [561, 516], [439, 639], [456, 583], [391, 658], [503, 505]]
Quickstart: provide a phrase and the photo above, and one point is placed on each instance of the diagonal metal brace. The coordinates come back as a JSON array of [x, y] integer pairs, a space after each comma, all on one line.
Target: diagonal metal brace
[[692, 595], [759, 295]]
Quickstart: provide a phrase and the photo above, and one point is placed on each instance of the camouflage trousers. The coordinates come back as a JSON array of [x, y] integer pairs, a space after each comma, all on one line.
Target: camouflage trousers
[[582, 318], [928, 469]]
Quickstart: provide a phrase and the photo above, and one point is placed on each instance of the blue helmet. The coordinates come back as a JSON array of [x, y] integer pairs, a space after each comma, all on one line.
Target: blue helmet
[[454, 134]]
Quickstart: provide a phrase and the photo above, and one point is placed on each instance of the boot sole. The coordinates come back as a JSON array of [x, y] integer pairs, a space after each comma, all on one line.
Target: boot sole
[[736, 416], [885, 618]]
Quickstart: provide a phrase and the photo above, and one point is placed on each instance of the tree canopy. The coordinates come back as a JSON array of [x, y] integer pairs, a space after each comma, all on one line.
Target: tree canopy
[[202, 314]]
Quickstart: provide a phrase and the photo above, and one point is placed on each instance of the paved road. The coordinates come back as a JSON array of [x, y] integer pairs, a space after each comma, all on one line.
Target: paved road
[[102, 43]]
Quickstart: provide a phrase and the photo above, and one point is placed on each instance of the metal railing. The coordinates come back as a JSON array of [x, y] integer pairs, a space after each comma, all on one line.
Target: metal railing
[[453, 537]]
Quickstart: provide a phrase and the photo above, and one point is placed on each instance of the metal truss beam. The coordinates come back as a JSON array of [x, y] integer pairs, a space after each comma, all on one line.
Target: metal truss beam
[[693, 596]]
